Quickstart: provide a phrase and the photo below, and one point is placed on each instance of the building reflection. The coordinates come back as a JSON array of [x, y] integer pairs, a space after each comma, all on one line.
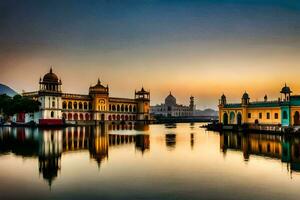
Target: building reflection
[[171, 141], [192, 140], [49, 145], [284, 148], [142, 142]]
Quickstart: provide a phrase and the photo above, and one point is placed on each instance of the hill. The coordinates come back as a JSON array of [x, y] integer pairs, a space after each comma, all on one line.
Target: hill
[[4, 89], [206, 112]]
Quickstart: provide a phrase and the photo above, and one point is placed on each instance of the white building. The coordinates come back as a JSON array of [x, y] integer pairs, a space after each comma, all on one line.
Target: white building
[[58, 107], [171, 109]]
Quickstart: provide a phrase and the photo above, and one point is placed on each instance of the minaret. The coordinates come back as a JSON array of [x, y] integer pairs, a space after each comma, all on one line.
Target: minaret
[[265, 98], [142, 97], [192, 105], [287, 92], [222, 101], [50, 97], [245, 99]]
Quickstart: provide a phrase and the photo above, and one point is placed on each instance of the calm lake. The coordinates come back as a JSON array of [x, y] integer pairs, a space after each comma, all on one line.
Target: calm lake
[[175, 161]]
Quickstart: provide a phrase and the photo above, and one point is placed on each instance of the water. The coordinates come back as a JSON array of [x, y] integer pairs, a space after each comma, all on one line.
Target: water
[[179, 161]]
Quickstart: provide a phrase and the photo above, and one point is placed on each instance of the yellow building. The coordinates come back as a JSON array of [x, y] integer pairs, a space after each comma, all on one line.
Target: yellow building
[[96, 106], [283, 112]]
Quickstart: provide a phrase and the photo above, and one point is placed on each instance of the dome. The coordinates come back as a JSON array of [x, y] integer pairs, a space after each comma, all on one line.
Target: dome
[[286, 90], [170, 100], [50, 77], [98, 88], [245, 96], [142, 91], [99, 85]]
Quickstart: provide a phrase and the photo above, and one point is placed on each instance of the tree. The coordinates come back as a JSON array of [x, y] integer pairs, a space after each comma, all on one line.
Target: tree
[[10, 106]]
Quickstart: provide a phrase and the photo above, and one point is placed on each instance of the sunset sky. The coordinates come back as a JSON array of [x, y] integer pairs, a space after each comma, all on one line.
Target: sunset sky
[[201, 48]]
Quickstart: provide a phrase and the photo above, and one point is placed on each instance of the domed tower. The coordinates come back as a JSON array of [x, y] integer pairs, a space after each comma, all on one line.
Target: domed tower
[[265, 98], [245, 99], [100, 95], [287, 92], [50, 98], [142, 98], [170, 100], [192, 104], [222, 101], [170, 103]]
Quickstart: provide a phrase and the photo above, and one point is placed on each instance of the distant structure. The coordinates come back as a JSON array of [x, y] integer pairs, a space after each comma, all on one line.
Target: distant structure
[[283, 112], [171, 109], [58, 107]]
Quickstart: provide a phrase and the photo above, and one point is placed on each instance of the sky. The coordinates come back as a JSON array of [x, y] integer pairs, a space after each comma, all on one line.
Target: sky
[[200, 48]]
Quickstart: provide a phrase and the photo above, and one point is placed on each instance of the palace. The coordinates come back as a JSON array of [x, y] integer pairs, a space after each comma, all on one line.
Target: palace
[[171, 109], [58, 107], [283, 112]]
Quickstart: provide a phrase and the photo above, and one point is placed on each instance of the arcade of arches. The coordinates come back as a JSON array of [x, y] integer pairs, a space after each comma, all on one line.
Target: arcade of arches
[[82, 110], [234, 118]]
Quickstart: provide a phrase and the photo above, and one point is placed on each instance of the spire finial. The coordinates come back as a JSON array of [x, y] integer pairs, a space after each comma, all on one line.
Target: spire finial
[[50, 69], [98, 81]]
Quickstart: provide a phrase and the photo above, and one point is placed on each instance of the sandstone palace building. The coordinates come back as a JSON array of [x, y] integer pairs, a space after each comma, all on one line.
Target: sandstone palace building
[[283, 112], [97, 106]]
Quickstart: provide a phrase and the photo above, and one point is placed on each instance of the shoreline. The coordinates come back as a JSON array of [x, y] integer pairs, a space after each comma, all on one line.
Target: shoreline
[[246, 129]]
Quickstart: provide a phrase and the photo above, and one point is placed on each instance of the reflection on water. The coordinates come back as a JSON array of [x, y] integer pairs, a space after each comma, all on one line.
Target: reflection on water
[[173, 161], [49, 145], [284, 148], [192, 140], [171, 141]]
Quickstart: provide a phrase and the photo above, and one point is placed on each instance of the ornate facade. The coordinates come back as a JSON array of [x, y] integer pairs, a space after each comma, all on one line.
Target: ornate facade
[[97, 106], [283, 112], [171, 109]]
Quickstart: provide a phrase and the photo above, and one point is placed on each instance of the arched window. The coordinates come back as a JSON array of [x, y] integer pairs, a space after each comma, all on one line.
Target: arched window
[[70, 105], [87, 116], [134, 109], [85, 105], [118, 107], [69, 116], [64, 116], [118, 117], [113, 107], [285, 116], [122, 108], [225, 119], [64, 105], [109, 107], [239, 118], [75, 105], [232, 118], [53, 104], [81, 116], [52, 114], [75, 116], [126, 108], [80, 105], [130, 108]]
